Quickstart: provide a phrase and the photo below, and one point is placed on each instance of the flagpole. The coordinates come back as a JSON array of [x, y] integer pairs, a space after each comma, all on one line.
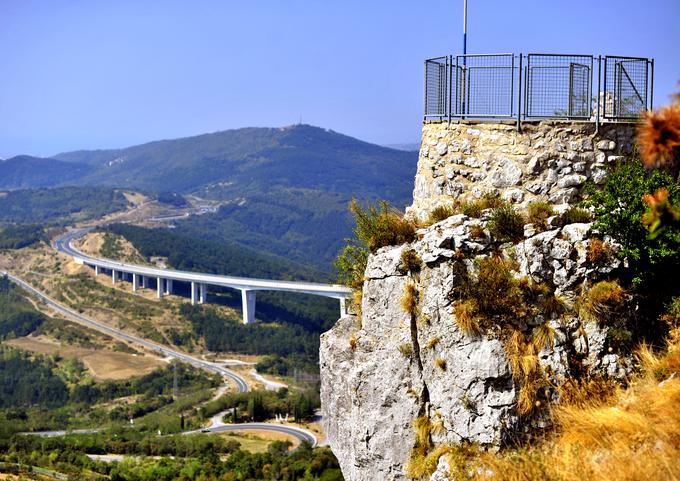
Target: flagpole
[[465, 5], [464, 69]]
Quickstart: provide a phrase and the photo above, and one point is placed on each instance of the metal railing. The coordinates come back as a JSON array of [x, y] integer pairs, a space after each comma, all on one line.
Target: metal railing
[[537, 86]]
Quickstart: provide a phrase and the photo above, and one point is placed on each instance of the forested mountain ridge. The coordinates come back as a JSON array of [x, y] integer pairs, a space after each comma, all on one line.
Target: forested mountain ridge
[[251, 159], [25, 171]]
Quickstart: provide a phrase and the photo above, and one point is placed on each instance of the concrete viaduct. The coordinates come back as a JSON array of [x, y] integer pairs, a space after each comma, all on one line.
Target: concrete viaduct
[[145, 276]]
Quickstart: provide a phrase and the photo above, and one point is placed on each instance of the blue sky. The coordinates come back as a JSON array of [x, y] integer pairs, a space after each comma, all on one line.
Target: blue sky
[[100, 74]]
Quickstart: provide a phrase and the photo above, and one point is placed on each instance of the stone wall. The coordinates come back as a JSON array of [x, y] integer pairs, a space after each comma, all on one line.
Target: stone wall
[[545, 161]]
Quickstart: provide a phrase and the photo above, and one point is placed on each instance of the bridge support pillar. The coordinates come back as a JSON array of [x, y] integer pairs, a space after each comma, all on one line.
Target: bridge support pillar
[[343, 307], [248, 300], [194, 293], [135, 282], [159, 288], [114, 276], [145, 281], [168, 286], [202, 293], [96, 270]]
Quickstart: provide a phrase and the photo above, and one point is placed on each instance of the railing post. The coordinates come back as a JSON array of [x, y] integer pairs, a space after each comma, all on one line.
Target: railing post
[[599, 93], [519, 93], [449, 89], [651, 88], [425, 93]]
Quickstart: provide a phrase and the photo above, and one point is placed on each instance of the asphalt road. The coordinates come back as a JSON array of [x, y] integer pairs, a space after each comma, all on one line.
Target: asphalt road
[[298, 433]]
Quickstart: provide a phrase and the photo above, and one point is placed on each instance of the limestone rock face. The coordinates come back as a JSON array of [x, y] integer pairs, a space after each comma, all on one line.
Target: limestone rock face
[[380, 372]]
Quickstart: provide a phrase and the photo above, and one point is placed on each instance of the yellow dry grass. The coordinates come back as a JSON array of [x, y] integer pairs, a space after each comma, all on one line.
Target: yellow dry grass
[[605, 433], [409, 301], [465, 315]]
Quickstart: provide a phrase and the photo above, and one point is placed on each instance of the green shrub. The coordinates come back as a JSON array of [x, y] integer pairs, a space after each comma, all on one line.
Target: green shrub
[[381, 225], [376, 226], [506, 224], [576, 215], [538, 213], [618, 209], [619, 339]]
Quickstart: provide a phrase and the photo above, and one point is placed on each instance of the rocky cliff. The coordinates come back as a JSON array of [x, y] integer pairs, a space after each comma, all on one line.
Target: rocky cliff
[[417, 369]]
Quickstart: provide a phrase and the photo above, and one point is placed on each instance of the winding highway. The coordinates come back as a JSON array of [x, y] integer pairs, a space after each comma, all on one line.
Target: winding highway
[[241, 383]]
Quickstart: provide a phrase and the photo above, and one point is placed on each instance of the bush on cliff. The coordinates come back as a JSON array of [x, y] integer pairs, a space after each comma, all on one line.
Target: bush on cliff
[[377, 226], [618, 209]]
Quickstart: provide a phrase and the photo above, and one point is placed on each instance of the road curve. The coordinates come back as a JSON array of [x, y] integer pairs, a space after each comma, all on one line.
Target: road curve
[[301, 434], [241, 383]]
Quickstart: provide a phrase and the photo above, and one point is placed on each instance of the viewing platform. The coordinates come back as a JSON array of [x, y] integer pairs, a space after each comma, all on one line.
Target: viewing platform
[[525, 87], [530, 128]]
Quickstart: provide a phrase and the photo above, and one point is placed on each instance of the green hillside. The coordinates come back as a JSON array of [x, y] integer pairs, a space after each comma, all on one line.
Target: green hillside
[[252, 160], [24, 171], [58, 206]]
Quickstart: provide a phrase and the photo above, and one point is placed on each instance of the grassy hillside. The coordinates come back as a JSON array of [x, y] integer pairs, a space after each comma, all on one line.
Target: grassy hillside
[[24, 171]]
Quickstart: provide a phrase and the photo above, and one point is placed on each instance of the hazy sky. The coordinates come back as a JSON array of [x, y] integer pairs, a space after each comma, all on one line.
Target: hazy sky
[[99, 74]]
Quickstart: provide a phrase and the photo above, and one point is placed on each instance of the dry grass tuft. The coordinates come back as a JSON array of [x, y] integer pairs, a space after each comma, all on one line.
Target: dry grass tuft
[[441, 212], [599, 251], [434, 340], [506, 224], [538, 213], [440, 363], [602, 300], [477, 232], [544, 336], [409, 301], [410, 261], [353, 342], [423, 429], [467, 319], [381, 225], [576, 215], [406, 349], [356, 301], [588, 393], [487, 201]]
